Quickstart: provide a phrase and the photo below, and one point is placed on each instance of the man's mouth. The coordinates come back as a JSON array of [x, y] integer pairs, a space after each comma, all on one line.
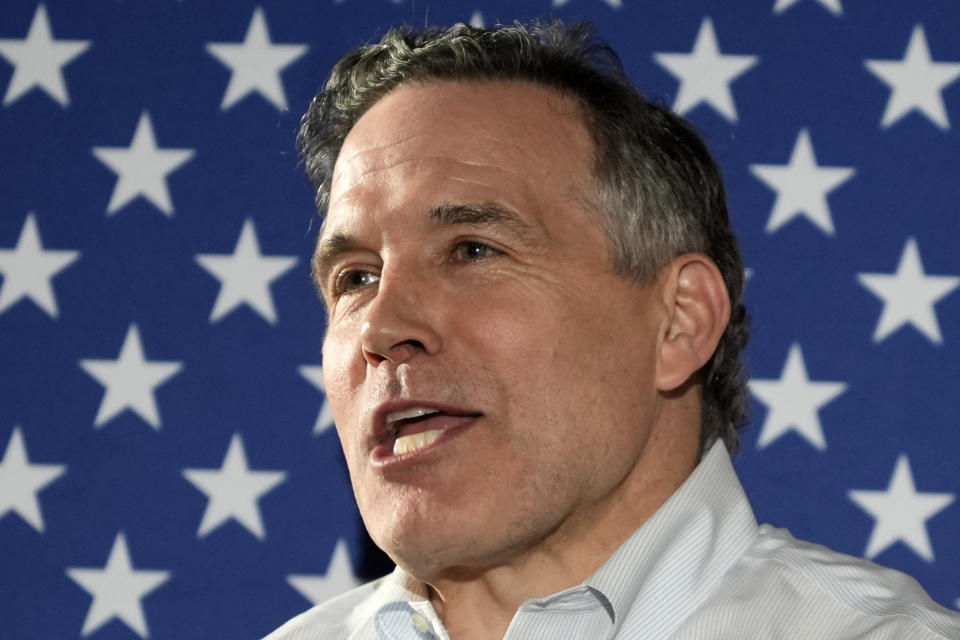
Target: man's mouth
[[405, 421], [414, 428]]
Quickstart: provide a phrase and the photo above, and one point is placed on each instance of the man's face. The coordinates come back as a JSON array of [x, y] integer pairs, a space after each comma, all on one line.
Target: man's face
[[491, 378]]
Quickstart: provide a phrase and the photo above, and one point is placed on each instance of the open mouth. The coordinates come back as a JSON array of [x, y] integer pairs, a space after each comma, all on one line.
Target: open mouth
[[416, 428]]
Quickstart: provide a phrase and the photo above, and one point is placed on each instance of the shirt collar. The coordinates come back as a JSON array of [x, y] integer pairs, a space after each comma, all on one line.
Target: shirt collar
[[662, 572], [672, 563]]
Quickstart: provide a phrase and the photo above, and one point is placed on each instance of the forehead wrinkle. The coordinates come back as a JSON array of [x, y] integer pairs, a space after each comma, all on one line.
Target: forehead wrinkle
[[385, 152], [359, 176], [506, 146], [376, 145]]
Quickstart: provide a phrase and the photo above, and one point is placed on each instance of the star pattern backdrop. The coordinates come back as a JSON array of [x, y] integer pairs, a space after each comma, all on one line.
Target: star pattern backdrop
[[167, 463]]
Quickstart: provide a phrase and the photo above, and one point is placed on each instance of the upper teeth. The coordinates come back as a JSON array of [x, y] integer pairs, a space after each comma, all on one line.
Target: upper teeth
[[412, 412]]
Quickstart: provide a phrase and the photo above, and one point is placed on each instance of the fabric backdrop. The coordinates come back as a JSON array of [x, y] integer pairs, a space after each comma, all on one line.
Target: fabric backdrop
[[167, 462]]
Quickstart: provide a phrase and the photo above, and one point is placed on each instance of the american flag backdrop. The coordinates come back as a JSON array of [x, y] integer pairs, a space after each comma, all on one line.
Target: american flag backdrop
[[168, 466]]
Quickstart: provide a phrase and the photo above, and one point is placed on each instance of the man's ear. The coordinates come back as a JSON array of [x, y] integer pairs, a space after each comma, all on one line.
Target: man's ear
[[698, 308]]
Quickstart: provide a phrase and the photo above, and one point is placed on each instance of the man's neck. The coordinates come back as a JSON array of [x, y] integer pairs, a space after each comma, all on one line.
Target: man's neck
[[480, 603]]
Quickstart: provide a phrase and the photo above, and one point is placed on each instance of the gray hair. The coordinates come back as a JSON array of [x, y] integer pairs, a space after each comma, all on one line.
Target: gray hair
[[658, 188]]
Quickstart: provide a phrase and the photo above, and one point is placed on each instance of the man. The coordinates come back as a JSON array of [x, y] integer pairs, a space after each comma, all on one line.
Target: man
[[532, 358]]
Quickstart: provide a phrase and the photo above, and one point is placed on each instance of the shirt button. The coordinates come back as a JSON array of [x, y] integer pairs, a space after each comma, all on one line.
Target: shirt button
[[420, 622]]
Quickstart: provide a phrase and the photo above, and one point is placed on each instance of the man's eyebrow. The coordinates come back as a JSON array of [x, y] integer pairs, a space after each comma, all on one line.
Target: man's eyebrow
[[326, 254], [482, 214]]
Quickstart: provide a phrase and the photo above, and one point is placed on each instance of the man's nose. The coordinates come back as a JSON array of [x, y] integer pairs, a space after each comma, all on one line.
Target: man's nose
[[401, 321]]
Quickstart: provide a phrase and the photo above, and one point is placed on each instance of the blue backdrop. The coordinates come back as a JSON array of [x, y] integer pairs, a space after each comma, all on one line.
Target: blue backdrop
[[167, 465]]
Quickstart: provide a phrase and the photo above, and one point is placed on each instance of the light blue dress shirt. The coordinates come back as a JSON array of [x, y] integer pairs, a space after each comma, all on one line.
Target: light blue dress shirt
[[700, 568]]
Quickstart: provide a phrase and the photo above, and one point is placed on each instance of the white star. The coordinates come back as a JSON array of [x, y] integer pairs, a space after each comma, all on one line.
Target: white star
[[613, 4], [256, 64], [338, 578], [142, 168], [314, 374], [802, 186], [20, 481], [793, 402], [908, 295], [27, 270], [901, 512], [233, 491], [245, 276], [833, 6], [130, 381], [916, 82], [38, 60], [705, 74], [117, 590]]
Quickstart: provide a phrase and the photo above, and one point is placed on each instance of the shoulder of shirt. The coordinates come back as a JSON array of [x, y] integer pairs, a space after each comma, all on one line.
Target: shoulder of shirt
[[333, 619], [857, 585]]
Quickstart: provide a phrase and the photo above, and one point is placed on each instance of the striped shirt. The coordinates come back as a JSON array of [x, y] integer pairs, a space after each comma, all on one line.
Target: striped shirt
[[699, 568]]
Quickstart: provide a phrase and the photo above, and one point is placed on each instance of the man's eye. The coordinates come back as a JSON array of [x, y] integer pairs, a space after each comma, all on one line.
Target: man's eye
[[353, 280], [473, 251]]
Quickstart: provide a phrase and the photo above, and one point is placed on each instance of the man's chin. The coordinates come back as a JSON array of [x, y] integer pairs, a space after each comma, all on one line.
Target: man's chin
[[427, 552], [431, 568], [453, 555], [421, 555]]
